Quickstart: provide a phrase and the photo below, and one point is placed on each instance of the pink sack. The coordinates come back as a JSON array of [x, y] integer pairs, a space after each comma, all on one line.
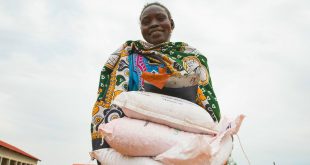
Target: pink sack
[[217, 158], [134, 137], [140, 138], [224, 152], [221, 147]]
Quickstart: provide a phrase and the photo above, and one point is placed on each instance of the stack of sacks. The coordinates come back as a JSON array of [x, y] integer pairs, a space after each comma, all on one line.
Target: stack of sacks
[[161, 129]]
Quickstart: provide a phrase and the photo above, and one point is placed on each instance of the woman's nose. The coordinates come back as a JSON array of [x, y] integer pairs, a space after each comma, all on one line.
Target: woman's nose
[[154, 23]]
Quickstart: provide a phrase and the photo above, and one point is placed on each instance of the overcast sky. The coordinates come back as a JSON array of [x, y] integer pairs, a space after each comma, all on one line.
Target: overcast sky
[[52, 51]]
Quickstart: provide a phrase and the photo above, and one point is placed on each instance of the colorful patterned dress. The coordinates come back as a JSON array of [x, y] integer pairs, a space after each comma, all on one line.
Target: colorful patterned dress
[[123, 70]]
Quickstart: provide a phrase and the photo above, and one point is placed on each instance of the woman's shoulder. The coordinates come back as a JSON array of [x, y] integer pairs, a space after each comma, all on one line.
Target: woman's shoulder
[[189, 49], [137, 43], [129, 42], [126, 45]]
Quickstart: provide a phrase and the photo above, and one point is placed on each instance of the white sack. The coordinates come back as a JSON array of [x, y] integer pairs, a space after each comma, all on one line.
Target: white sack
[[108, 156], [171, 111]]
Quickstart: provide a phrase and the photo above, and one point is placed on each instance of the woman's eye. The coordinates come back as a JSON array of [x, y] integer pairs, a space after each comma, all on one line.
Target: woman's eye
[[161, 17], [145, 22]]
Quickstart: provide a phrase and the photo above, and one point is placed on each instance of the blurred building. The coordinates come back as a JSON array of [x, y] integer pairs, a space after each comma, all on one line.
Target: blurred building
[[11, 155]]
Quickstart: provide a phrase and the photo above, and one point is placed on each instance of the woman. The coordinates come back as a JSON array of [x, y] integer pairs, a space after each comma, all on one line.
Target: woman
[[124, 68]]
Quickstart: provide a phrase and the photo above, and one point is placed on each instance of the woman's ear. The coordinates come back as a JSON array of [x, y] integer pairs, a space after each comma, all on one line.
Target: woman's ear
[[172, 24]]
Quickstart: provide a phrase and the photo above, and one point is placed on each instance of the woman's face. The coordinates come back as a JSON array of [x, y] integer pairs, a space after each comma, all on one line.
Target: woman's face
[[156, 26]]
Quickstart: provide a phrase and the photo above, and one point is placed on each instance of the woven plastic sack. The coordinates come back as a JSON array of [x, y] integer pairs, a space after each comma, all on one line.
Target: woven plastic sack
[[167, 110], [133, 137], [108, 156]]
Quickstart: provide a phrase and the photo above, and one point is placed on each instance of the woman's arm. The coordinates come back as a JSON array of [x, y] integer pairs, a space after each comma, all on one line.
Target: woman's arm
[[206, 95], [97, 114], [102, 106], [206, 98]]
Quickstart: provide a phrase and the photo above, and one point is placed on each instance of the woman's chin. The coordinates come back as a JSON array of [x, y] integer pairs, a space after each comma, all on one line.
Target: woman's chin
[[157, 40]]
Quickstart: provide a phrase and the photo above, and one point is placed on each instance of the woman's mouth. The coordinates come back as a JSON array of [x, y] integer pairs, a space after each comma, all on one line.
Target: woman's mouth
[[155, 32]]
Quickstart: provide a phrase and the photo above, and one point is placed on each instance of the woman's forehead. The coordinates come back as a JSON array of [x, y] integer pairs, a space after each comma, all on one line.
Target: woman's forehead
[[153, 9]]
